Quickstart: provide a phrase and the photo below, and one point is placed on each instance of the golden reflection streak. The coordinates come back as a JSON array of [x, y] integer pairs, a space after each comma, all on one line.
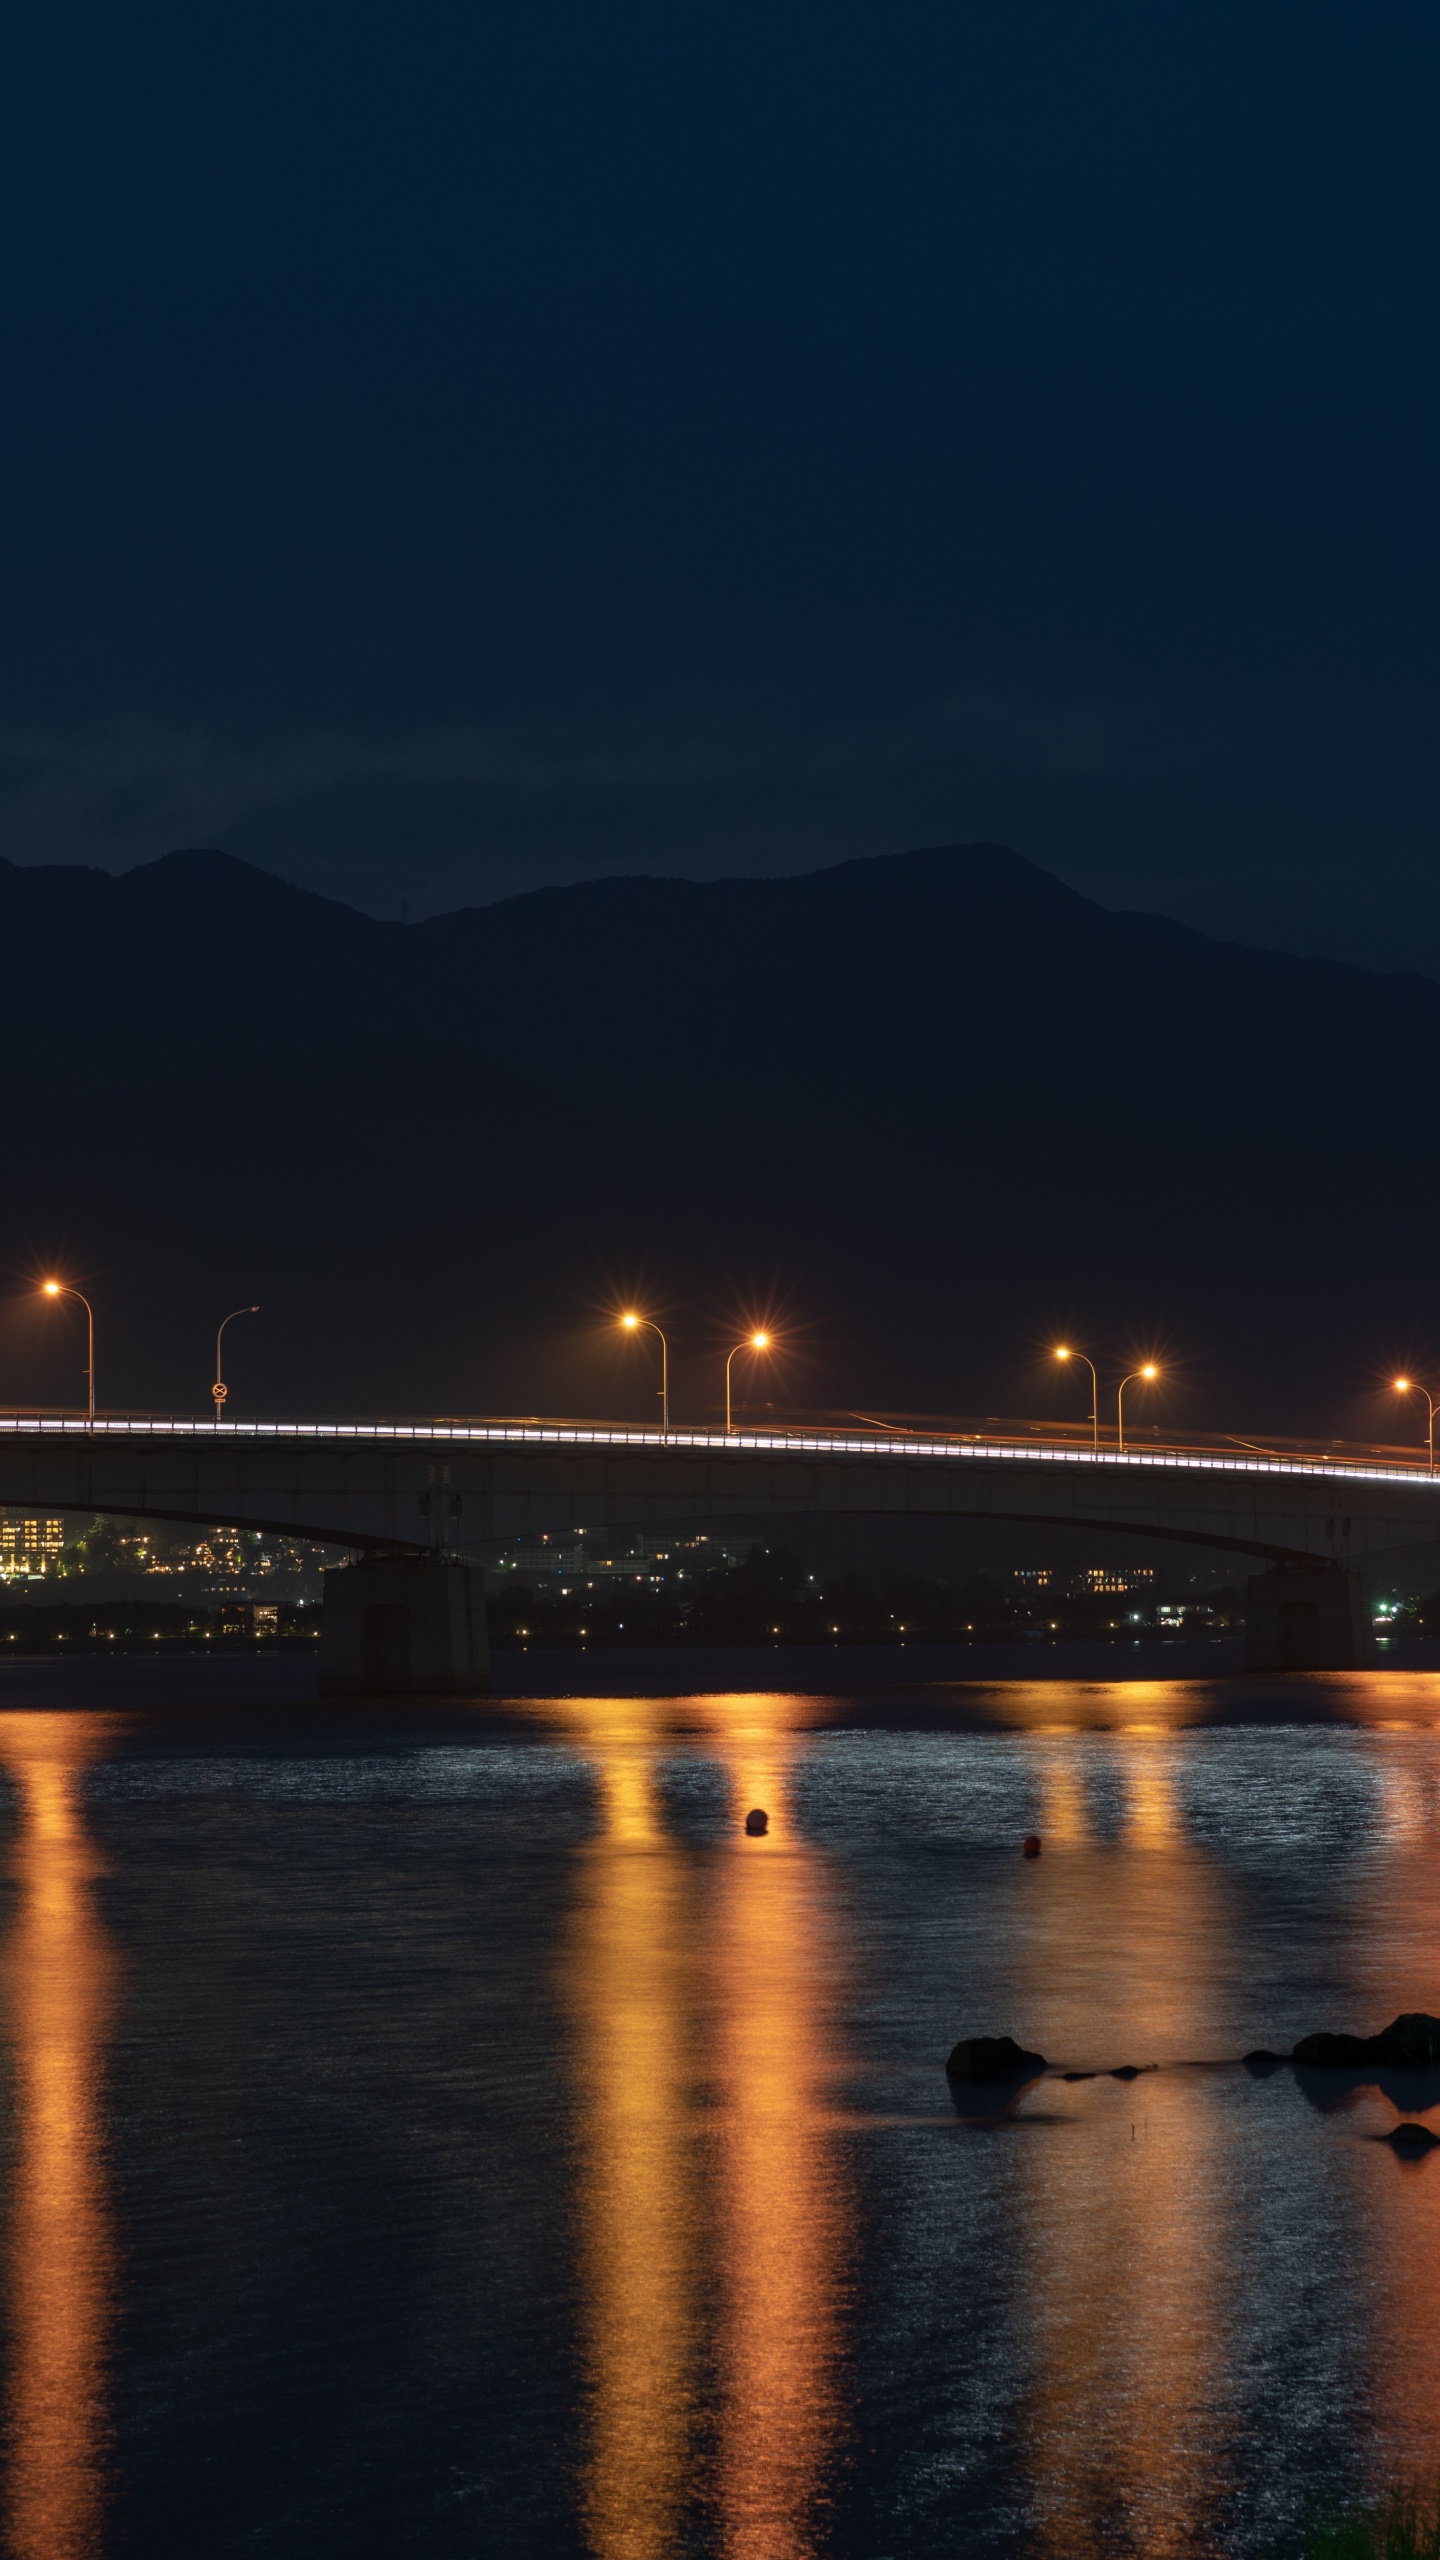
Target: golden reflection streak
[[1392, 2203], [783, 2211], [1121, 2421], [630, 1981], [59, 1973], [1059, 1769], [1406, 1801]]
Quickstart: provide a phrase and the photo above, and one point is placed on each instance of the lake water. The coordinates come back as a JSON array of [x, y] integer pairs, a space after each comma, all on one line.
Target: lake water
[[445, 2131]]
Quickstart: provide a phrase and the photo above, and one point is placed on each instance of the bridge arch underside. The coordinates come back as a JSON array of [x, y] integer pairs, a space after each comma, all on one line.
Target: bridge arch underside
[[421, 1495]]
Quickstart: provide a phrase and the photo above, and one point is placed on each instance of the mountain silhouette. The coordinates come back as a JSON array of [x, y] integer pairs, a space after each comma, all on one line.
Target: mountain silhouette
[[924, 1109]]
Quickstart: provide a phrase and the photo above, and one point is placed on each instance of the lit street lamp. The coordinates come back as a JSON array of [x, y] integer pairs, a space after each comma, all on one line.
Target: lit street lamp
[[62, 1289], [752, 1342], [643, 1324], [220, 1391], [1063, 1351], [1148, 1372], [1412, 1387]]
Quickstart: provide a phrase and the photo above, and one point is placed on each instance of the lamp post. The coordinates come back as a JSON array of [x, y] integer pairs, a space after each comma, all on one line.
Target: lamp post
[[643, 1324], [752, 1342], [220, 1391], [1412, 1387], [1063, 1351], [62, 1289], [1148, 1372]]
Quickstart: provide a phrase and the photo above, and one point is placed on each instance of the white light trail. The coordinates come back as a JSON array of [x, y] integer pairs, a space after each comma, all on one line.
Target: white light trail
[[772, 1444]]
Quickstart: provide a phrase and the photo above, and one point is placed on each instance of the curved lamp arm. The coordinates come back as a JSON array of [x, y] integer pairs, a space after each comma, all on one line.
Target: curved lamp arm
[[62, 1289], [1149, 1373], [220, 1391], [644, 1324]]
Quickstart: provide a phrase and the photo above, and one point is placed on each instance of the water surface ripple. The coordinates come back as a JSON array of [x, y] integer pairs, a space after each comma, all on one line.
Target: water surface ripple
[[443, 2129]]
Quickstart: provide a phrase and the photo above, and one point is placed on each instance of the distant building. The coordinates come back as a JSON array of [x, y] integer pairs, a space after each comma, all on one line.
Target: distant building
[[1095, 1577], [29, 1549], [1107, 1577]]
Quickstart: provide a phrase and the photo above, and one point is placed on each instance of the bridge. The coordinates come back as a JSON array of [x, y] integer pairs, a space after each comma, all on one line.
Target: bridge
[[420, 1503]]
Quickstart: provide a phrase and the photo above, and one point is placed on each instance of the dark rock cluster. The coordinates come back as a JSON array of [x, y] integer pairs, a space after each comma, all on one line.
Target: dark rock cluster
[[993, 2058], [1410, 2043]]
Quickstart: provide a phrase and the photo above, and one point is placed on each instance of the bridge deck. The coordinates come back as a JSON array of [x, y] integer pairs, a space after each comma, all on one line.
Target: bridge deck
[[470, 1486]]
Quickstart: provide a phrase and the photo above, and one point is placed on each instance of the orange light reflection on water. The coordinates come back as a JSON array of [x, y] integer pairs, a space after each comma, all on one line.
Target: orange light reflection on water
[[629, 1977], [784, 2211], [1120, 2423], [719, 2220], [713, 2235], [1059, 1765], [1393, 2207], [58, 1981]]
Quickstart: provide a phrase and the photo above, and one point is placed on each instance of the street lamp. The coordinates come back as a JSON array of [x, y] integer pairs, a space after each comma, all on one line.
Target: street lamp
[[1063, 1351], [643, 1324], [1412, 1387], [752, 1342], [220, 1391], [1148, 1372], [62, 1289]]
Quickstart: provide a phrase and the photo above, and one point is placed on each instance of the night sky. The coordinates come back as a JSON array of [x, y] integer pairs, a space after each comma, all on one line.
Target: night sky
[[449, 449]]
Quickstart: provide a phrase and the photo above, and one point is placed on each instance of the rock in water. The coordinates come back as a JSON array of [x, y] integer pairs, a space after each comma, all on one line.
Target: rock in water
[[1410, 2043], [1334, 2053], [993, 2058], [1413, 2140], [1416, 2035]]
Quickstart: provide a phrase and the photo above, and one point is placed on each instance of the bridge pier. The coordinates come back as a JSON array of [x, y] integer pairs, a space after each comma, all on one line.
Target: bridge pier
[[404, 1627], [1308, 1617]]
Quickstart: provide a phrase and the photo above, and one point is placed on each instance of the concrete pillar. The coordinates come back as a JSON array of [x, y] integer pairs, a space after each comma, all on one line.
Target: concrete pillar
[[1308, 1617], [404, 1627]]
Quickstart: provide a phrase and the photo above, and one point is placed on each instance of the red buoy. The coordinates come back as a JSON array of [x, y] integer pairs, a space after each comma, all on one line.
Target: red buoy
[[1032, 1845], [757, 1822]]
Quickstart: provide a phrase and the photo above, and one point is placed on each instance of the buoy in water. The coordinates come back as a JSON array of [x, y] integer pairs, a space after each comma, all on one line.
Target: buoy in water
[[757, 1822], [1031, 1847]]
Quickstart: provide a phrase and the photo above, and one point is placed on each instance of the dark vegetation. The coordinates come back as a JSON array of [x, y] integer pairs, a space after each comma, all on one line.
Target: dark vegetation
[[770, 1599]]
